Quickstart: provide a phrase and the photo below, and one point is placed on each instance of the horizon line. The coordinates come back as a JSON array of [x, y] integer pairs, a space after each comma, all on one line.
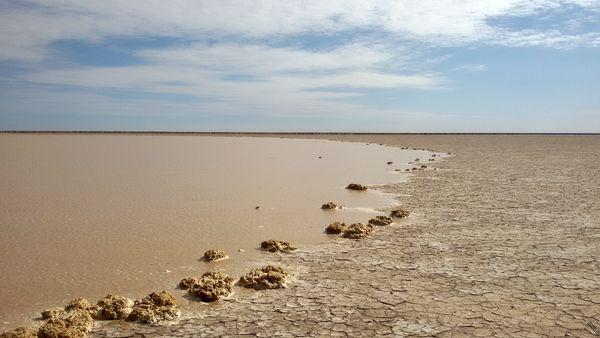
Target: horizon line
[[149, 132]]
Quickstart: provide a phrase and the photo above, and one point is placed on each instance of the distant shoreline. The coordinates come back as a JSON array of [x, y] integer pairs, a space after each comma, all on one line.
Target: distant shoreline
[[262, 133]]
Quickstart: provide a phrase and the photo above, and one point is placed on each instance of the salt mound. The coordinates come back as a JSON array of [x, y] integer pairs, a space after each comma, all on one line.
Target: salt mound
[[267, 277], [358, 231], [53, 313], [329, 205], [212, 286], [20, 332], [399, 212], [356, 186], [187, 283], [113, 307], [380, 220], [274, 246], [82, 304], [214, 254], [154, 308], [75, 323], [335, 228]]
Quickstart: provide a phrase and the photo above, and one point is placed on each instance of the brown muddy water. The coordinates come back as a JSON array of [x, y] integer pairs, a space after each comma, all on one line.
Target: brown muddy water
[[85, 215]]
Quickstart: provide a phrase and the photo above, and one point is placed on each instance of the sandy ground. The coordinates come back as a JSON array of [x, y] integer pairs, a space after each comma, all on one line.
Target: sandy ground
[[504, 240]]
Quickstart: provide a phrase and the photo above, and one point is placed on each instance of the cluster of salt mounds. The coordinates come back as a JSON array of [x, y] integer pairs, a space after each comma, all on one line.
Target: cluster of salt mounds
[[78, 317]]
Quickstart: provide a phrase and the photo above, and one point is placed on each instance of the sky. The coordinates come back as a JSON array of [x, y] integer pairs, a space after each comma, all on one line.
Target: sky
[[328, 65]]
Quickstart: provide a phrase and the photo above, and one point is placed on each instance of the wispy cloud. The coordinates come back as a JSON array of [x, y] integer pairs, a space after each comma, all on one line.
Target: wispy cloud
[[471, 68], [29, 27], [284, 80], [254, 58], [549, 39]]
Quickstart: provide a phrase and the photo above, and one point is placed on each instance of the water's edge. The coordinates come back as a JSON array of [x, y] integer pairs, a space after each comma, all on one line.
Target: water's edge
[[243, 299]]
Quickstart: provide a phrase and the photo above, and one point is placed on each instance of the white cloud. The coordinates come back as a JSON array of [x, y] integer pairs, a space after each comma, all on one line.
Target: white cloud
[[347, 66], [29, 27], [285, 80]]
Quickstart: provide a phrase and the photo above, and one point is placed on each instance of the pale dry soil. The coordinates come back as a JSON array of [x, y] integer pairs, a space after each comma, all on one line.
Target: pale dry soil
[[504, 240]]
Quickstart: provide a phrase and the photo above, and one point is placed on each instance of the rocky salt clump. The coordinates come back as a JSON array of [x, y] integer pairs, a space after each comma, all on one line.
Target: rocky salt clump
[[154, 308], [399, 212], [274, 246], [53, 313], [20, 332], [74, 323], [358, 231], [380, 220], [215, 255], [59, 329], [212, 286], [187, 283], [329, 205], [113, 307], [84, 305], [267, 277], [335, 228], [356, 186]]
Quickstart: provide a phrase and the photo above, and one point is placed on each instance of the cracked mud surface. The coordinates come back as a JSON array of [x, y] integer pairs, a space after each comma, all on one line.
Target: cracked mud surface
[[503, 240]]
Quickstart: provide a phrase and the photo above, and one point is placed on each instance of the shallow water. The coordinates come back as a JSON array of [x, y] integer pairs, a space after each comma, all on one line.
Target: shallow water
[[85, 215]]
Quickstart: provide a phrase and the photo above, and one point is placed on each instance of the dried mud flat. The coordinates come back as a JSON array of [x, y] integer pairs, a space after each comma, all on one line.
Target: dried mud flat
[[503, 240]]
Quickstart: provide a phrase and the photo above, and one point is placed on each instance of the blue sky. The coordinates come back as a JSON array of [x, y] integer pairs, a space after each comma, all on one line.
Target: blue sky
[[385, 66]]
